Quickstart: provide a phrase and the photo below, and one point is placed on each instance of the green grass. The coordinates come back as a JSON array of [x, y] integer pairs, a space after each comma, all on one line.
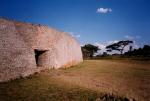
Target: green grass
[[93, 79]]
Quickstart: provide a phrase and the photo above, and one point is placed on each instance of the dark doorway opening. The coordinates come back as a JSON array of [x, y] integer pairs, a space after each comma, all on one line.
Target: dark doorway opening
[[38, 53]]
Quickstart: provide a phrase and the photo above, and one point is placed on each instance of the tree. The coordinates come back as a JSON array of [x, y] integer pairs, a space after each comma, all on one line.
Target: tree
[[144, 52], [89, 50], [119, 46]]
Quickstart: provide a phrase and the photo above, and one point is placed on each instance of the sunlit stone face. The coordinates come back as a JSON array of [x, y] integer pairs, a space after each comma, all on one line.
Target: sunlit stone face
[[2, 27], [18, 42]]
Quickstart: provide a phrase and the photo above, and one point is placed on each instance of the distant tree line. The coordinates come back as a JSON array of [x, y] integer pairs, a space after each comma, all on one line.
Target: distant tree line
[[145, 52], [90, 50]]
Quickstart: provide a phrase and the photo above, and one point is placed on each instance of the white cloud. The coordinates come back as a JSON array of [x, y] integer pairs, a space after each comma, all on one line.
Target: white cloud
[[132, 37], [111, 42], [129, 37], [134, 46], [104, 10], [78, 36], [101, 46], [74, 35]]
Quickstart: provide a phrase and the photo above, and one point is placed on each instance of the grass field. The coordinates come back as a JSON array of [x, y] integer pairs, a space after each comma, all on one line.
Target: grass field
[[90, 80]]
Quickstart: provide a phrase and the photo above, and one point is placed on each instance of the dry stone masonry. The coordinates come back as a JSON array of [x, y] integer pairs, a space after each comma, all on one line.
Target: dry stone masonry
[[27, 48]]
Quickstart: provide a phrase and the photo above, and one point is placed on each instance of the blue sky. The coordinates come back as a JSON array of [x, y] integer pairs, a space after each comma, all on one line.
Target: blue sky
[[90, 21]]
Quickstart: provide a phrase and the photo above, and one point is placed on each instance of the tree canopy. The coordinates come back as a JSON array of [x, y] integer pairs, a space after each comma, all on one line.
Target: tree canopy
[[119, 46], [89, 50]]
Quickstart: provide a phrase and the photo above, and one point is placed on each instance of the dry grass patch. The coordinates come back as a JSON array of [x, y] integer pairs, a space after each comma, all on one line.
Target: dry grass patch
[[100, 80], [122, 77]]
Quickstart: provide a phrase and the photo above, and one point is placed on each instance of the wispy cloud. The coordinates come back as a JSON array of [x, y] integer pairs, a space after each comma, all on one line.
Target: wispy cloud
[[129, 37], [111, 42], [78, 36], [132, 37], [104, 10], [74, 35]]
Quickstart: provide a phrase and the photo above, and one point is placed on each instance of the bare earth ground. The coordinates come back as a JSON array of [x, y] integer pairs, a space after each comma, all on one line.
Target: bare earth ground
[[86, 81]]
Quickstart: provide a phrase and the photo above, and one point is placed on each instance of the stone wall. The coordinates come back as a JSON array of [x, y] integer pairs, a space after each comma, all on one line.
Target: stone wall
[[18, 42]]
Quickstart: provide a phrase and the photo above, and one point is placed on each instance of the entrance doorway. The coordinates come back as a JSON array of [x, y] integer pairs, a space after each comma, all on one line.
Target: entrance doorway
[[40, 56]]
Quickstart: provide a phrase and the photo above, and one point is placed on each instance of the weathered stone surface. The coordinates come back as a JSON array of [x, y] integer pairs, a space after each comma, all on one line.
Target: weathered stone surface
[[19, 42]]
